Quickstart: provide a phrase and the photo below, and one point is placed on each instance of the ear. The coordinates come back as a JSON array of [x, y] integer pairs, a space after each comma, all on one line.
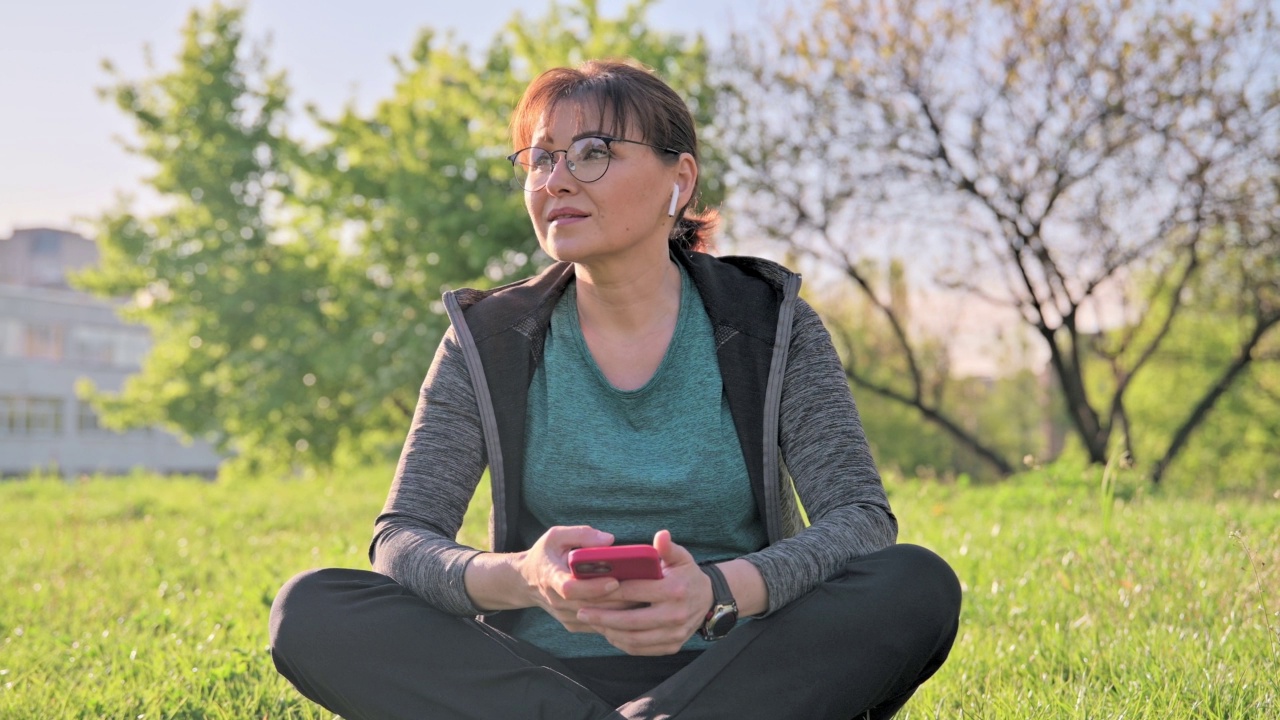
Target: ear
[[686, 178]]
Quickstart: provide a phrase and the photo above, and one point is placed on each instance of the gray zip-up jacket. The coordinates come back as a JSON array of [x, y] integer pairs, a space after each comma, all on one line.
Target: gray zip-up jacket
[[790, 402]]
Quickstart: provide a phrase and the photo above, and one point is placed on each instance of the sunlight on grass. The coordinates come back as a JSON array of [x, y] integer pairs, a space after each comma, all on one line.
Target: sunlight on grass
[[1156, 614], [145, 596]]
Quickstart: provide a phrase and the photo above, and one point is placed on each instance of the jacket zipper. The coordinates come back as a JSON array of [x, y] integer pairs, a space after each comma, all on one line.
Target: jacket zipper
[[772, 411], [773, 408], [488, 418]]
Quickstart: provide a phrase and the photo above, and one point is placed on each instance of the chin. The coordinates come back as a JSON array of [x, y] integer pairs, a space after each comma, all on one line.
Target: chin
[[565, 249]]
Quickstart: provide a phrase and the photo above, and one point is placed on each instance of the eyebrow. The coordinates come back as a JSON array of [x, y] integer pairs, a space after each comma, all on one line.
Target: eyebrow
[[590, 133]]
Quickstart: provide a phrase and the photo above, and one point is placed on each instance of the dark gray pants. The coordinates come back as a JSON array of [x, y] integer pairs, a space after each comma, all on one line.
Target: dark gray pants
[[857, 646]]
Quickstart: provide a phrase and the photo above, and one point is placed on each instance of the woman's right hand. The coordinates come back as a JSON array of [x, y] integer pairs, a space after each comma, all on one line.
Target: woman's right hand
[[545, 570]]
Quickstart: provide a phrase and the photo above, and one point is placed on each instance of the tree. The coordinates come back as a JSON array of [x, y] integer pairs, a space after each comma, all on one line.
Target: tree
[[1235, 305], [1061, 153], [421, 192], [198, 273], [1237, 447], [293, 290], [1012, 411]]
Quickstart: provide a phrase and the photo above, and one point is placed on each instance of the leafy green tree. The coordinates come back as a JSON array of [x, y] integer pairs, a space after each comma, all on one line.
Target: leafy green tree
[[421, 190], [293, 290], [206, 274]]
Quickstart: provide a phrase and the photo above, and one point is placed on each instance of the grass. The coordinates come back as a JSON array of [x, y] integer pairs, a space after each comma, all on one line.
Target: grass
[[147, 598]]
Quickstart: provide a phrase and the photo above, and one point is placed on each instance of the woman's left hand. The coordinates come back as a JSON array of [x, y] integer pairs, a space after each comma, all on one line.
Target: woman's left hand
[[676, 605]]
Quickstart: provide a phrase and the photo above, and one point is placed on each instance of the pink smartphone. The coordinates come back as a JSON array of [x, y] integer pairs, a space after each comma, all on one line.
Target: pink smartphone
[[621, 562]]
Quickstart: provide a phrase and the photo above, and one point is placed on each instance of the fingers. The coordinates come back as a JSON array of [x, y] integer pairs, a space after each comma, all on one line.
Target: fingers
[[560, 541], [641, 617], [651, 630], [674, 606], [551, 586], [572, 588], [566, 538], [645, 604]]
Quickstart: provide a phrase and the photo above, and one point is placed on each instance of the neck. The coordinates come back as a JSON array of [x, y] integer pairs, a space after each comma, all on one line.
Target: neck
[[634, 300]]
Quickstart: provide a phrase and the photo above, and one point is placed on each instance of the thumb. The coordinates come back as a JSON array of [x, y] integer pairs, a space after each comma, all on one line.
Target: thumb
[[671, 553]]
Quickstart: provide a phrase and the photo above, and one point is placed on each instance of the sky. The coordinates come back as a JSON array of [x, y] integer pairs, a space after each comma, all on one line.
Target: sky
[[59, 155]]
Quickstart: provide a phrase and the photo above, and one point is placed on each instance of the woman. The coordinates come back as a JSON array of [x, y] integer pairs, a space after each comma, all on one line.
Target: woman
[[636, 391]]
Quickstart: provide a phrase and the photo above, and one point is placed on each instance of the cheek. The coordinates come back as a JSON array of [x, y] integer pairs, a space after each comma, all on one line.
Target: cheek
[[637, 208], [533, 206]]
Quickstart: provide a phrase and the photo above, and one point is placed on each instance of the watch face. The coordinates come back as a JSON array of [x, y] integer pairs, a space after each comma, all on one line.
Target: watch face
[[723, 618]]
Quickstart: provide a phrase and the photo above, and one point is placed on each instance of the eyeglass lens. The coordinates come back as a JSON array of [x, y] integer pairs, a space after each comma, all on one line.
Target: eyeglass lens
[[587, 159]]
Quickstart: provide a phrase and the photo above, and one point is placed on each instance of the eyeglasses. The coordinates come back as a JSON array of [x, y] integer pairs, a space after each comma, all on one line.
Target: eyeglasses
[[587, 160]]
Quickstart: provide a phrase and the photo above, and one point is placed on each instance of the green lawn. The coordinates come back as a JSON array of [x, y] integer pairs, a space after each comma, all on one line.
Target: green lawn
[[148, 598]]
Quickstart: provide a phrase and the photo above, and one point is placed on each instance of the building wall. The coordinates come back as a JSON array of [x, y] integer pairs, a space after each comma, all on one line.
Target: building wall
[[51, 338], [42, 257]]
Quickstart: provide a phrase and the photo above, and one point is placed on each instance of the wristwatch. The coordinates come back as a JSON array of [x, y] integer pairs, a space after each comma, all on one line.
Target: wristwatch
[[724, 609]]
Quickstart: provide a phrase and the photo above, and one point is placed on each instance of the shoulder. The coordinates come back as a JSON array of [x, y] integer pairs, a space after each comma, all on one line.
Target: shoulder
[[808, 324], [739, 270], [744, 294], [515, 305]]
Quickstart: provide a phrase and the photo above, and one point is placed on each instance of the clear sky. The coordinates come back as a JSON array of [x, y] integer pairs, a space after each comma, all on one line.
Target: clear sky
[[58, 158]]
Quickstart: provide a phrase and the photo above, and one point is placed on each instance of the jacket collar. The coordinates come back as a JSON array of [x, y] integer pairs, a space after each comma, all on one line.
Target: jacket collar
[[725, 284]]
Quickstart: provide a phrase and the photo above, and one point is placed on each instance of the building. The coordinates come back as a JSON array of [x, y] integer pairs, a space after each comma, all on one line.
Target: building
[[51, 336]]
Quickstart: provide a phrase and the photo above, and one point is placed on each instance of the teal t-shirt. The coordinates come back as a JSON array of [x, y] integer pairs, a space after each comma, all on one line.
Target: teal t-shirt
[[633, 462]]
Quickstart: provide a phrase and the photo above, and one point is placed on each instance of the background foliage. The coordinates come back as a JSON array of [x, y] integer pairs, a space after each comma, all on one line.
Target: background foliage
[[1092, 168], [294, 289], [1102, 152]]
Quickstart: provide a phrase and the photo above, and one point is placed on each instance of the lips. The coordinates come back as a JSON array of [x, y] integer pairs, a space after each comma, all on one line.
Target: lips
[[566, 214]]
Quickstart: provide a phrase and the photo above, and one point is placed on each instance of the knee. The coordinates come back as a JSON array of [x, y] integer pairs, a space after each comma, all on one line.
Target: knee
[[914, 579], [928, 574], [304, 604], [925, 581], [923, 569]]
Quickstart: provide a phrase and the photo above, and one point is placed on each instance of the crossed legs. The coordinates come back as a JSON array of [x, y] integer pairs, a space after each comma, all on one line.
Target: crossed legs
[[364, 647]]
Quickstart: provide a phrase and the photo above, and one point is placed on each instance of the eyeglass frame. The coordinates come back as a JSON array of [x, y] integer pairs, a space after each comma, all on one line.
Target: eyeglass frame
[[608, 145]]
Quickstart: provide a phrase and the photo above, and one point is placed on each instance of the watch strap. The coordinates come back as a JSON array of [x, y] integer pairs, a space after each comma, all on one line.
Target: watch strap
[[720, 594], [723, 614]]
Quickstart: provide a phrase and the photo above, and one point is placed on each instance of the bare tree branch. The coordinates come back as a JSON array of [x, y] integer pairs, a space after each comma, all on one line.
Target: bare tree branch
[[1215, 392], [1065, 152]]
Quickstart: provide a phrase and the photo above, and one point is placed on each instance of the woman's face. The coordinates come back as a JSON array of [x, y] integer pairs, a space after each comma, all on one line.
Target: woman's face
[[620, 217]]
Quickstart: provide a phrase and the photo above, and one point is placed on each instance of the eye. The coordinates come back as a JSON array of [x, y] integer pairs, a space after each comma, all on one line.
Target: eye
[[590, 149], [541, 161]]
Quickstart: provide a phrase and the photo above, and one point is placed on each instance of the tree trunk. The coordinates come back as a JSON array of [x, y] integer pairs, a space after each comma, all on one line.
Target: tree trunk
[[1089, 429], [1212, 395]]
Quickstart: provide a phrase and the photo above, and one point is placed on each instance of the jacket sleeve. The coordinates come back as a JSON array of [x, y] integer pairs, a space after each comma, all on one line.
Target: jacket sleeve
[[440, 466], [826, 453]]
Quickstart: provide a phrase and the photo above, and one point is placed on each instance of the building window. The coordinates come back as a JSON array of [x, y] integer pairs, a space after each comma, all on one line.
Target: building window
[[10, 415], [30, 416], [130, 349], [86, 418], [10, 338], [43, 342], [45, 244], [91, 345], [44, 416]]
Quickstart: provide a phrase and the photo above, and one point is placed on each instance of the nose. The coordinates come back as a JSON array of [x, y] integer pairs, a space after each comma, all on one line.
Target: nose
[[560, 178]]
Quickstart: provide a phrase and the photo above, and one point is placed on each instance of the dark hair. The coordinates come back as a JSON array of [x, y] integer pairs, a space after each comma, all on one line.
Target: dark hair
[[623, 94]]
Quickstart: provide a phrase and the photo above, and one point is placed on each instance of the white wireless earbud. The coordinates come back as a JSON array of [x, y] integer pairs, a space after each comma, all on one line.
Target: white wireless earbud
[[675, 197]]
